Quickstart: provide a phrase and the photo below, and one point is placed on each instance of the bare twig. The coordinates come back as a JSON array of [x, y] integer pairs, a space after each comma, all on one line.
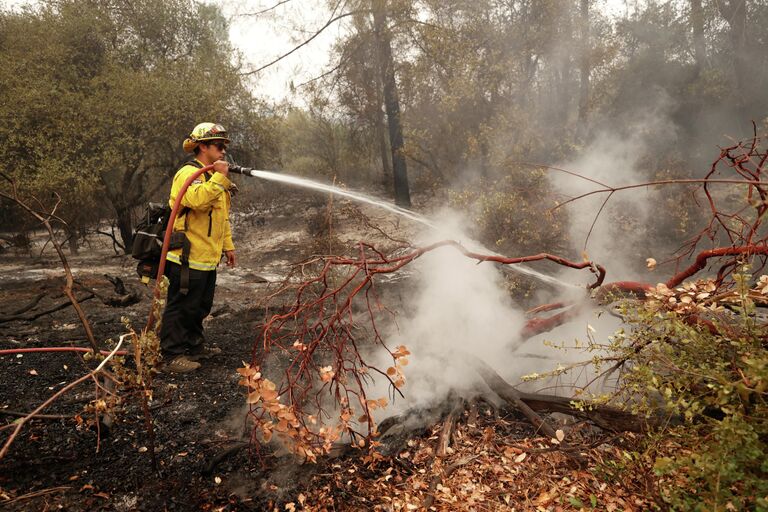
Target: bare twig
[[330, 22], [36, 494], [20, 423], [266, 10], [45, 219]]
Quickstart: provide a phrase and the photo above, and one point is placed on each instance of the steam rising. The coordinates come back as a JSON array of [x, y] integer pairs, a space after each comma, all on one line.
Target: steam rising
[[460, 307], [614, 158]]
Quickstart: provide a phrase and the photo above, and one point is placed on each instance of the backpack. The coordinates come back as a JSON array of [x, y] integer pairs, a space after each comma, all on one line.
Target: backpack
[[147, 246], [148, 239]]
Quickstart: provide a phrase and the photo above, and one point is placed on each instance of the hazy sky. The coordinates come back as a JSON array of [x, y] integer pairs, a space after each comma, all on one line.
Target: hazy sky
[[263, 37]]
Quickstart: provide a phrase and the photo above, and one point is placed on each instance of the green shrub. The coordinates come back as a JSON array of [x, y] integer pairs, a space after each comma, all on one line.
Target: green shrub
[[698, 353], [513, 214]]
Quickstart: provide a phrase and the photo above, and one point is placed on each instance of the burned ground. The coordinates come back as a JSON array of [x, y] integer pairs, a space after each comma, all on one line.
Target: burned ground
[[495, 461]]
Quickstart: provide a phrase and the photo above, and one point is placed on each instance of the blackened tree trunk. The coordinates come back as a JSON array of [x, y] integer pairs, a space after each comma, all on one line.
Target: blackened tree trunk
[[584, 65], [125, 226], [697, 27], [735, 13], [391, 103]]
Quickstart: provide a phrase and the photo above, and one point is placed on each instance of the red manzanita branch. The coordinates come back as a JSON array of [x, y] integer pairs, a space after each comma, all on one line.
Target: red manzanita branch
[[335, 308], [703, 257]]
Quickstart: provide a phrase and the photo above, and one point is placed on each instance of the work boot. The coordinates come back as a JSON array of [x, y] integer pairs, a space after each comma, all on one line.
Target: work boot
[[181, 364], [204, 352]]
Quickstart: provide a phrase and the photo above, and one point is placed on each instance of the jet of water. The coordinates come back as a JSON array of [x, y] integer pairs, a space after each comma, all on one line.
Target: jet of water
[[366, 199]]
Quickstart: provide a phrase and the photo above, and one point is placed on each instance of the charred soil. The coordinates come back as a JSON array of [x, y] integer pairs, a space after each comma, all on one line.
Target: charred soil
[[493, 459]]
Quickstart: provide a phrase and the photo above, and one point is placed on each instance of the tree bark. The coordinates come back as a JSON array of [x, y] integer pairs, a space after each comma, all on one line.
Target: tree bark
[[125, 226], [735, 13], [391, 103], [584, 67], [697, 27], [73, 240], [381, 135]]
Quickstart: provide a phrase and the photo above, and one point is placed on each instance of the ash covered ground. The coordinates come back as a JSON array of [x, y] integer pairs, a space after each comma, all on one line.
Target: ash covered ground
[[59, 463]]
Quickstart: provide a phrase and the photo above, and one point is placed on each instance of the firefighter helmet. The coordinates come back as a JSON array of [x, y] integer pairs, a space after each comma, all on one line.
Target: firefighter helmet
[[205, 132]]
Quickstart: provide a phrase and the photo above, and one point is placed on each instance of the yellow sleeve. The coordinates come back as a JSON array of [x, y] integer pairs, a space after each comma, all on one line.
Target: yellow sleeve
[[228, 244], [200, 194]]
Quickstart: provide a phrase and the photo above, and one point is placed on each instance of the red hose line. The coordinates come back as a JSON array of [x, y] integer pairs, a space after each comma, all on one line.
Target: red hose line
[[167, 239], [57, 349]]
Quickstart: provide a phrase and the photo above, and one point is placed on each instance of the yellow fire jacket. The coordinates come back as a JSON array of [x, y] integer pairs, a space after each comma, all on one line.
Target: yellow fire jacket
[[206, 221]]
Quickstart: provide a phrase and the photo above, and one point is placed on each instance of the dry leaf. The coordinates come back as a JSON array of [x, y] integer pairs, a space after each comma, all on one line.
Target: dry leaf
[[327, 373]]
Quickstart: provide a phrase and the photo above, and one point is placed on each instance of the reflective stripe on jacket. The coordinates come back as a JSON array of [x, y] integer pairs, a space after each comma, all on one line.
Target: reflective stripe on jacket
[[206, 221]]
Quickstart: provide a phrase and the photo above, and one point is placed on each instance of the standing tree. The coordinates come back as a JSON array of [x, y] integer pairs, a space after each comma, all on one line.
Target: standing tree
[[391, 102], [97, 96]]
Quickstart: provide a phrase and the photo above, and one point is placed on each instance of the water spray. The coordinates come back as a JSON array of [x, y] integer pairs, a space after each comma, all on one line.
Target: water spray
[[362, 198], [315, 185]]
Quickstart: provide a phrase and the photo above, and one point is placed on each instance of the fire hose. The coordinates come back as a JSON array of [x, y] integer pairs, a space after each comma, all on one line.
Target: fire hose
[[169, 230], [161, 268]]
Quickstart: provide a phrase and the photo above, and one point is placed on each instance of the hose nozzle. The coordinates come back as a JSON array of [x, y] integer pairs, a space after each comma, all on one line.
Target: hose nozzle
[[239, 169]]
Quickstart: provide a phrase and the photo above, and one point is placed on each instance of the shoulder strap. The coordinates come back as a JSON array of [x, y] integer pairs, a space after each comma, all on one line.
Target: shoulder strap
[[197, 165], [194, 163]]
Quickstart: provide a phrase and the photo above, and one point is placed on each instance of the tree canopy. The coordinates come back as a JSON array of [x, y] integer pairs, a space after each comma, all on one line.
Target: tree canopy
[[97, 96]]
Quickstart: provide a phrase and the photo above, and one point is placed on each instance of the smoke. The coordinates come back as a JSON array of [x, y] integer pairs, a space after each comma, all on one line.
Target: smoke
[[616, 157], [460, 307]]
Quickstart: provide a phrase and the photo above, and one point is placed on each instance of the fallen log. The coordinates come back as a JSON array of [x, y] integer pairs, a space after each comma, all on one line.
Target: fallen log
[[511, 395], [606, 417]]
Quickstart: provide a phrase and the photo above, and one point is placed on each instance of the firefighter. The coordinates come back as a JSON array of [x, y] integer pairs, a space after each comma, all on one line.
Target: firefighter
[[191, 270]]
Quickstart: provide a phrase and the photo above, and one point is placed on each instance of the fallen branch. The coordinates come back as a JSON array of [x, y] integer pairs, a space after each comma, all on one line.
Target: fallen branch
[[26, 307], [114, 300], [444, 441], [606, 417], [36, 494], [511, 395], [53, 309]]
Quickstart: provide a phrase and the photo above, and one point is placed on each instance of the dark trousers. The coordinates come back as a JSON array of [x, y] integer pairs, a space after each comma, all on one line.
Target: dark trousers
[[181, 331]]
